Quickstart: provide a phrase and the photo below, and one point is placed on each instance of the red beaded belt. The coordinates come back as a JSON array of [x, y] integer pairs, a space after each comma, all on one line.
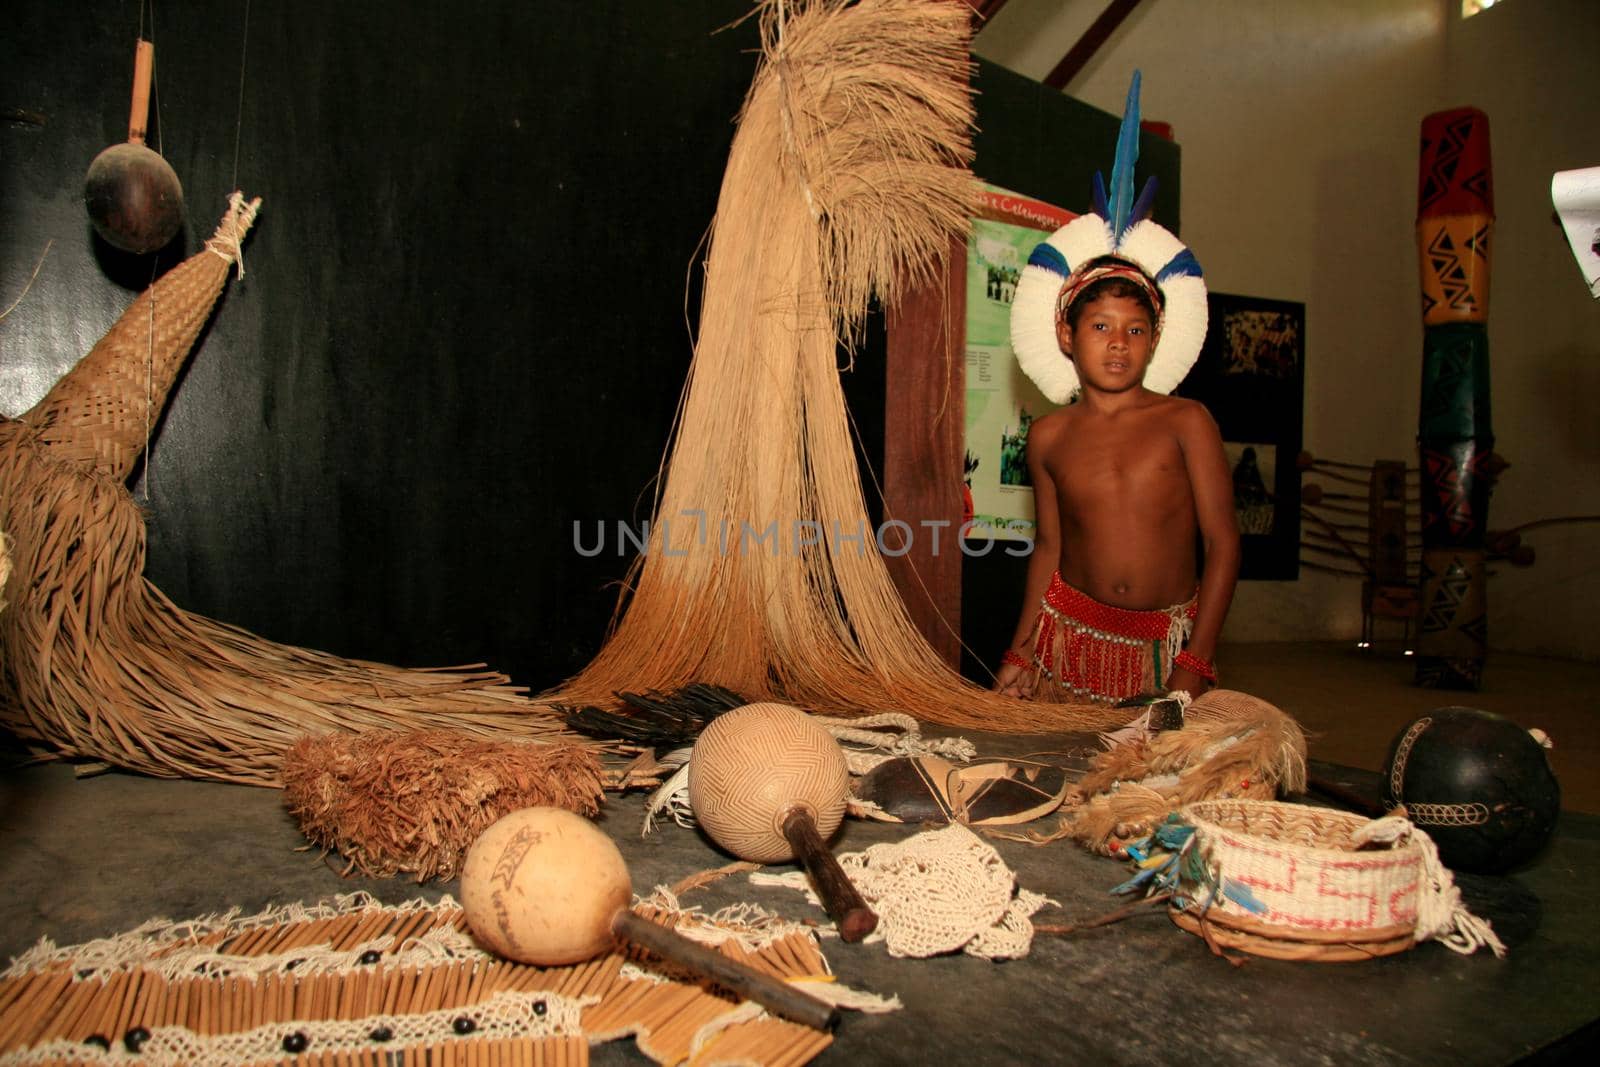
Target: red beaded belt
[[1103, 652]]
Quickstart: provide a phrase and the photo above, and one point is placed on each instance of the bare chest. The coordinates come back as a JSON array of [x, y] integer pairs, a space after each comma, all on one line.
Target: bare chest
[[1115, 462]]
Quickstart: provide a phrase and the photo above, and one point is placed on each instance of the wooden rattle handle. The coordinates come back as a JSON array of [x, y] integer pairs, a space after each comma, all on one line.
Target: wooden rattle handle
[[144, 61], [776, 995], [838, 894]]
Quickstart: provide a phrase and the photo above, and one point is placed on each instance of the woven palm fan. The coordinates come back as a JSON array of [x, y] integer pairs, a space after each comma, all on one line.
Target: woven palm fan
[[97, 663], [847, 178]]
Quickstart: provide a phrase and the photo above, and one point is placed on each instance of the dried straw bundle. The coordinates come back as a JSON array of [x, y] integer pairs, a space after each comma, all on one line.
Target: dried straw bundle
[[96, 662], [847, 177], [5, 566], [415, 801]]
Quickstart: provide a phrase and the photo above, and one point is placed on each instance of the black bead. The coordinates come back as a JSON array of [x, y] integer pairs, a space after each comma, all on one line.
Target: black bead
[[382, 1033], [99, 1041], [134, 1039], [372, 955], [540, 1007], [464, 1024], [292, 964], [295, 1042]]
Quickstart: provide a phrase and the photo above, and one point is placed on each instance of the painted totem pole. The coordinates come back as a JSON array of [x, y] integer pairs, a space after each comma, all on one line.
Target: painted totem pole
[[1455, 213]]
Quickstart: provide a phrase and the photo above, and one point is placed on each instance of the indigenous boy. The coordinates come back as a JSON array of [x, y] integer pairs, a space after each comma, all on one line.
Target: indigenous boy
[[1126, 482]]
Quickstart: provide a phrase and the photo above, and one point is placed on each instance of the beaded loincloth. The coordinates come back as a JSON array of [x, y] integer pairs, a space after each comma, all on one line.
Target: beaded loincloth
[[1084, 649]]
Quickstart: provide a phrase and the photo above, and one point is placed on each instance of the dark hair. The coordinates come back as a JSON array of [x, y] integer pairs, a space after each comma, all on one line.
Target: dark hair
[[1109, 287]]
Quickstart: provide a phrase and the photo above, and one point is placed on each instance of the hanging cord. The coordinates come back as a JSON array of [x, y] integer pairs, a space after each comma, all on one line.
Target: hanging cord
[[155, 74], [238, 121], [31, 279], [150, 342]]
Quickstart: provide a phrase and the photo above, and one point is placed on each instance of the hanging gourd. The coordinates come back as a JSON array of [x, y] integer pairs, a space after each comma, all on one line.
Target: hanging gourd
[[134, 197]]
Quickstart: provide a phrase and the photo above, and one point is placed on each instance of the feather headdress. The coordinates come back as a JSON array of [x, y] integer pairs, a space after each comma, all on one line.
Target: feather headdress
[[1118, 227]]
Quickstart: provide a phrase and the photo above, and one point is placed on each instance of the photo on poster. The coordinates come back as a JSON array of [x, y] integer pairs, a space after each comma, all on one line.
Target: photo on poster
[[1255, 471], [1261, 341]]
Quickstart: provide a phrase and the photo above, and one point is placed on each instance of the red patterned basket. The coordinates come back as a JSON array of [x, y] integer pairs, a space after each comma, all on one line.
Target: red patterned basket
[[1328, 885]]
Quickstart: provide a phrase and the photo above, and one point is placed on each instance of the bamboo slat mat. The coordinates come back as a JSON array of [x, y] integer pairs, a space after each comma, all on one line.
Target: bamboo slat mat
[[357, 983]]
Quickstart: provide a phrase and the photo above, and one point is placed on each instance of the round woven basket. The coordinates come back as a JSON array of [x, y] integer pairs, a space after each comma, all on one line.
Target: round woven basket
[[1328, 894]]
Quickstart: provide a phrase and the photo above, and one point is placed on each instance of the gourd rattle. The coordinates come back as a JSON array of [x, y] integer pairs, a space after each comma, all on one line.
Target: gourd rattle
[[770, 785]]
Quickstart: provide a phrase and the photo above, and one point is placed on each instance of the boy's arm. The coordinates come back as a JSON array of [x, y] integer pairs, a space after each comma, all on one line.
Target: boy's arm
[[1211, 482], [1010, 679]]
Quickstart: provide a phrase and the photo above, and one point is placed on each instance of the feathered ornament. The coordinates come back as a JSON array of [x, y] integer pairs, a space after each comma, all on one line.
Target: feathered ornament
[[659, 720], [1120, 211], [1119, 227]]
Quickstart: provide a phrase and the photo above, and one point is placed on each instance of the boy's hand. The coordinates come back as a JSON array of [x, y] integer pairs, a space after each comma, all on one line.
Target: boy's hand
[[1014, 681], [1188, 681]]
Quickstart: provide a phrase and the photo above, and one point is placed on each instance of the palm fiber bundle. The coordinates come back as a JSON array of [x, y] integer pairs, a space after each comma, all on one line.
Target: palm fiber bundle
[[96, 662], [847, 178], [352, 983], [414, 801], [5, 566]]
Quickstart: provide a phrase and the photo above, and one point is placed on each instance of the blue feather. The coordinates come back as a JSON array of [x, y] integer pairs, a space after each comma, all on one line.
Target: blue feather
[[1181, 265], [1122, 166], [1049, 257], [1098, 190], [1136, 881], [1146, 203], [1174, 835], [1241, 895]]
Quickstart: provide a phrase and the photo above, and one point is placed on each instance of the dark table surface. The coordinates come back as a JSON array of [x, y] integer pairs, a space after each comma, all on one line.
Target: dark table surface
[[87, 857]]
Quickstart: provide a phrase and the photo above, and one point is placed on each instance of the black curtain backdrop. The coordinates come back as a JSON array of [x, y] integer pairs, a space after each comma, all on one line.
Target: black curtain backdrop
[[463, 325]]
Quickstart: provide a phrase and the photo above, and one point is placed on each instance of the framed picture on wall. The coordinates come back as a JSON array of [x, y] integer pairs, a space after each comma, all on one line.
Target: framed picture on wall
[[1251, 376]]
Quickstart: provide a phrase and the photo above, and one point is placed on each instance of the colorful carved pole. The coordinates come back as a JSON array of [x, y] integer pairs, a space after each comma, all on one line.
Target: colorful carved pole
[[1455, 213]]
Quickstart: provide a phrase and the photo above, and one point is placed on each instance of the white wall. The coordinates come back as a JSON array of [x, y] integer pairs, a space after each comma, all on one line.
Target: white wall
[[1300, 124]]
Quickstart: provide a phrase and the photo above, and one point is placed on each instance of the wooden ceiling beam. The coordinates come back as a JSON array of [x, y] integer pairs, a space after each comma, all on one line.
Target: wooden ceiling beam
[[1099, 31]]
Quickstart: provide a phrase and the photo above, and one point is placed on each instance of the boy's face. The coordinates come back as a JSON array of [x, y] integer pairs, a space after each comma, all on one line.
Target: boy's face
[[1111, 345]]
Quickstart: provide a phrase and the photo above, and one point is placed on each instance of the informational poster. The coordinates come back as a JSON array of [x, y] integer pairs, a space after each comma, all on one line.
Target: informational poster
[[1001, 401]]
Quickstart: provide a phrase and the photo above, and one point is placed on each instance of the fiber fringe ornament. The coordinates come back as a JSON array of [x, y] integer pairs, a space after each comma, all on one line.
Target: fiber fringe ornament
[[96, 662], [847, 178], [414, 801], [1232, 745]]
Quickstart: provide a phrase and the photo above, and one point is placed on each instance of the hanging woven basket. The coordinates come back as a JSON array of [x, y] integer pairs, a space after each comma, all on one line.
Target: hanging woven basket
[[1294, 882]]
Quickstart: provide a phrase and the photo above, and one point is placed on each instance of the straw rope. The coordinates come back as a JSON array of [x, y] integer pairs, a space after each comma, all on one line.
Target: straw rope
[[847, 178], [96, 662]]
